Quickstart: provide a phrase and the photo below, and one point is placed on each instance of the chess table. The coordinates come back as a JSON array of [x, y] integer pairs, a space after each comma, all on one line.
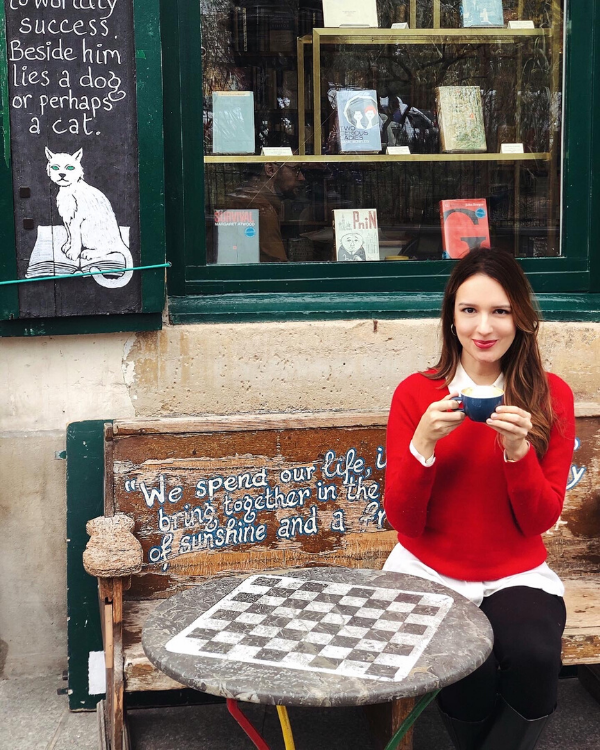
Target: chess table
[[317, 637]]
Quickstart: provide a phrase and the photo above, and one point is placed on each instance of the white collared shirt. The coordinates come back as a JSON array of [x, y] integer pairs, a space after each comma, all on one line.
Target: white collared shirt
[[401, 560]]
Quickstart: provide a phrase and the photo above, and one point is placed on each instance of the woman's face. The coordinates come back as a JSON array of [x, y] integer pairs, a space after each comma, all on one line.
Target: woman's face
[[483, 320]]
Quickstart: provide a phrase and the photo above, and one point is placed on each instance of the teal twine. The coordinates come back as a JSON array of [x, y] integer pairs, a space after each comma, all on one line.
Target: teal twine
[[81, 275]]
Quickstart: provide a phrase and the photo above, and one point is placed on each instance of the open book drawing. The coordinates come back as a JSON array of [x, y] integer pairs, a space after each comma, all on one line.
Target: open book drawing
[[48, 259]]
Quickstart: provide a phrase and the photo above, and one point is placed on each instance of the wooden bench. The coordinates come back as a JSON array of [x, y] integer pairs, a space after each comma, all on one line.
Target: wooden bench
[[309, 492]]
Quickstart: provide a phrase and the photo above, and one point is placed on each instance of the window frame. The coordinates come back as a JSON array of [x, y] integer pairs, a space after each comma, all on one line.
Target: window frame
[[201, 292]]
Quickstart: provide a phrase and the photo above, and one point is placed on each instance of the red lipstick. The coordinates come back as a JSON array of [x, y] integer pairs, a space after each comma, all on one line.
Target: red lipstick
[[484, 344]]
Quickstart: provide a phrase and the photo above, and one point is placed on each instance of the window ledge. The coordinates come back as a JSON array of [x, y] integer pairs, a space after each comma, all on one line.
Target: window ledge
[[244, 308], [79, 325]]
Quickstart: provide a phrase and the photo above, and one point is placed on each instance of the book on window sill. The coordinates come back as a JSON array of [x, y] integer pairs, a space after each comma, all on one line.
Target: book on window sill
[[481, 13], [465, 226], [348, 13], [356, 234], [358, 121], [460, 117], [237, 235], [233, 122]]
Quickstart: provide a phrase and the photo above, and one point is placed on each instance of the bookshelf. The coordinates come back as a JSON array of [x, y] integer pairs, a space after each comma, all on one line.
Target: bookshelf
[[387, 36], [351, 158]]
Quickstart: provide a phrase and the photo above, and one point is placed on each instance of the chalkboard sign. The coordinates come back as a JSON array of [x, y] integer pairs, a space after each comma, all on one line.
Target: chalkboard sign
[[72, 101]]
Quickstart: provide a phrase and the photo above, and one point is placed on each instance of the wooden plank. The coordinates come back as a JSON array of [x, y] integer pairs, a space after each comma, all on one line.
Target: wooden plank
[[118, 705], [385, 719], [161, 456], [217, 423], [109, 498], [589, 677], [581, 641]]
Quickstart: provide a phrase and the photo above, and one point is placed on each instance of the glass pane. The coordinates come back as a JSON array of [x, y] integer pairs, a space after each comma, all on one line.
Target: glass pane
[[393, 143]]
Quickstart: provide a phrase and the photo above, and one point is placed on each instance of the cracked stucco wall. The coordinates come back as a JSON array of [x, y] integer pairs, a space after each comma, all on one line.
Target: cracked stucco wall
[[226, 369]]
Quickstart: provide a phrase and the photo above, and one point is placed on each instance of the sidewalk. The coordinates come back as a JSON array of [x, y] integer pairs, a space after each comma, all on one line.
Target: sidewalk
[[34, 717]]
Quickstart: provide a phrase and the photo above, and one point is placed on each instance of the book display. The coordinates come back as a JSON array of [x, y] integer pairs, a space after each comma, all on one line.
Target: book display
[[233, 122], [465, 226], [481, 13], [460, 117], [350, 13], [358, 121], [452, 104], [237, 236], [356, 234]]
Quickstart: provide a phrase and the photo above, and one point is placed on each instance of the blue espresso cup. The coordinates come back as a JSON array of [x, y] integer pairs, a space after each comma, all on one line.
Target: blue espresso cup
[[480, 403]]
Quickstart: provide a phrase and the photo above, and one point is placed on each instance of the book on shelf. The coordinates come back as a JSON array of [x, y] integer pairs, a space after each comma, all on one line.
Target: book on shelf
[[240, 28], [233, 122], [460, 117], [358, 13], [358, 121], [282, 32], [481, 13], [465, 226], [356, 234], [309, 19], [237, 234]]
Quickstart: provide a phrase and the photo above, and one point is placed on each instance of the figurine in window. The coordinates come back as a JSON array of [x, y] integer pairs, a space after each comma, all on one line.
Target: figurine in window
[[351, 247]]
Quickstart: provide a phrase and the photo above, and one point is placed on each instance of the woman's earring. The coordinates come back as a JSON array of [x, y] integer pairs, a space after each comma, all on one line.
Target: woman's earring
[[453, 329]]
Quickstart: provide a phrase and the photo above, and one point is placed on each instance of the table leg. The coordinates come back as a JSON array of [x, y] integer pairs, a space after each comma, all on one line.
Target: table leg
[[410, 720], [246, 725], [286, 728]]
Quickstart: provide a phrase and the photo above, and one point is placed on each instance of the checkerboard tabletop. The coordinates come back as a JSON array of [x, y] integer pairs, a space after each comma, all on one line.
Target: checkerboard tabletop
[[354, 630], [320, 636]]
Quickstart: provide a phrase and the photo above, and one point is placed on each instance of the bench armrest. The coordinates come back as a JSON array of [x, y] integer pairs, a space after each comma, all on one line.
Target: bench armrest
[[112, 551]]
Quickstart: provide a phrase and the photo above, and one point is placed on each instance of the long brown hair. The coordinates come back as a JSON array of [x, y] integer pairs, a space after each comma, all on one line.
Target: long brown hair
[[526, 384]]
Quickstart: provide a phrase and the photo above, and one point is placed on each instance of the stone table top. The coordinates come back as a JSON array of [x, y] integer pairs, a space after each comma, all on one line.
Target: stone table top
[[317, 637]]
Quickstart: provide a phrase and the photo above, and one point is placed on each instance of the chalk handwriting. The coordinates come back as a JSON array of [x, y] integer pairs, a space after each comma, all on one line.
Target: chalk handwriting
[[68, 98]]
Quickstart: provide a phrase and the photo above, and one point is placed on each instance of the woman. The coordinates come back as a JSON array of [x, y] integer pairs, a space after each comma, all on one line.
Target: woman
[[470, 500]]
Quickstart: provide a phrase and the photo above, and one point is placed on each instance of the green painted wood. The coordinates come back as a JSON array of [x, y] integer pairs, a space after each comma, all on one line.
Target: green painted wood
[[580, 85], [173, 159], [9, 296], [85, 500], [594, 256], [81, 325], [345, 306], [151, 186], [184, 162], [150, 148]]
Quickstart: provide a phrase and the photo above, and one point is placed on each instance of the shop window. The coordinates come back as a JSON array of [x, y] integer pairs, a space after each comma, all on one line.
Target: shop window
[[449, 125], [452, 89]]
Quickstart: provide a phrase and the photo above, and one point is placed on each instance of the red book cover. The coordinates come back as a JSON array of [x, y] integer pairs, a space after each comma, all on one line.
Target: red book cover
[[464, 226]]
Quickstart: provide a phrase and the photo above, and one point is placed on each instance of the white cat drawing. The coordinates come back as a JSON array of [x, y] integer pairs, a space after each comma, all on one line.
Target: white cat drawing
[[93, 232]]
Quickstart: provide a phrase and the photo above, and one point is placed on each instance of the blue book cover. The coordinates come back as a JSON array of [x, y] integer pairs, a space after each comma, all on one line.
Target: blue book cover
[[237, 236], [358, 121], [482, 13], [233, 122]]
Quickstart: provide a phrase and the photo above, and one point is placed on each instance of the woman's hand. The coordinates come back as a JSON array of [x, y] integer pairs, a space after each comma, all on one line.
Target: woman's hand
[[440, 419], [513, 424]]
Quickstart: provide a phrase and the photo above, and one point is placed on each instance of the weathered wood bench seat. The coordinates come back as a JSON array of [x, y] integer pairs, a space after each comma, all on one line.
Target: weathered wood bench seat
[[156, 471]]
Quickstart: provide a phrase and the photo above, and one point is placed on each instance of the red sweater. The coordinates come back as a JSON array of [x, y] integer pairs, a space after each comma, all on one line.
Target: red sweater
[[473, 515]]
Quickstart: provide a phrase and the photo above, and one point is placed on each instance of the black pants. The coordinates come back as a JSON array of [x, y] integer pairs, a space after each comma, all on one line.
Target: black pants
[[528, 625]]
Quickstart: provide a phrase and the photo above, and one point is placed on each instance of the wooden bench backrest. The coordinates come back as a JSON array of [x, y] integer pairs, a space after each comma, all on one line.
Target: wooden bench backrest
[[325, 475]]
